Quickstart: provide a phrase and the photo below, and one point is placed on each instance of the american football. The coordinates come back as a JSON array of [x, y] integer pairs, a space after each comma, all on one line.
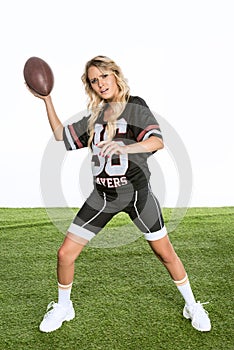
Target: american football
[[38, 76]]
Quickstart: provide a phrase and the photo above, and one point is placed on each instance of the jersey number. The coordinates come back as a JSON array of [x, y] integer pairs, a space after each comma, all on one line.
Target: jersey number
[[100, 163]]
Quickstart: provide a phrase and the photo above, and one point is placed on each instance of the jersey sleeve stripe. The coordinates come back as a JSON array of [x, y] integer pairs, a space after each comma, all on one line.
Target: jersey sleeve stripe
[[152, 132], [146, 130], [74, 136], [69, 138]]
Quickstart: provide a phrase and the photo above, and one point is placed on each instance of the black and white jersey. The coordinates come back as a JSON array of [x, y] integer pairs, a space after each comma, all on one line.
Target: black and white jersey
[[136, 123]]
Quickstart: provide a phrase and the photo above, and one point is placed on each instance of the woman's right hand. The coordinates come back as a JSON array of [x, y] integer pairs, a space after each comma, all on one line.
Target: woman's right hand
[[36, 94]]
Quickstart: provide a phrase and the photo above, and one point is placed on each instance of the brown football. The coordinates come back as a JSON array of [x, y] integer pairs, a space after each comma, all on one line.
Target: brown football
[[38, 75]]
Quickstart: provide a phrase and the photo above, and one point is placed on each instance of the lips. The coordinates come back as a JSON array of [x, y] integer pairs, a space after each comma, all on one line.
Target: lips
[[104, 90]]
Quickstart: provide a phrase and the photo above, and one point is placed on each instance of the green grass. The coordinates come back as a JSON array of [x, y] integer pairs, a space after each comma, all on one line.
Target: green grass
[[123, 297]]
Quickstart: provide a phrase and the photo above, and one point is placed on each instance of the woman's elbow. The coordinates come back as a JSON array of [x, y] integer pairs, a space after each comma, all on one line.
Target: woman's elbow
[[58, 138], [58, 134], [161, 144], [158, 144]]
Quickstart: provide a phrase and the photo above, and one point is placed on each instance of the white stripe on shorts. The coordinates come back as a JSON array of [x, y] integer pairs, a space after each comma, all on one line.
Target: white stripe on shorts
[[100, 211], [137, 212], [151, 236], [154, 236], [159, 216], [81, 232]]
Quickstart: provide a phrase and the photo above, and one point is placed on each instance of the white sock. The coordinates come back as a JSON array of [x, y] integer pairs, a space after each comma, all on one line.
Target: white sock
[[64, 293], [185, 290]]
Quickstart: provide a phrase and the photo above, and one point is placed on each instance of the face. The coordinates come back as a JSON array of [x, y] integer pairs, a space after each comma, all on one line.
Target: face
[[104, 84]]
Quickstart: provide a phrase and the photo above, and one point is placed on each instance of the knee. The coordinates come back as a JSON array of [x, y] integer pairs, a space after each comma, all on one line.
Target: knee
[[167, 257], [165, 253], [64, 258], [164, 250]]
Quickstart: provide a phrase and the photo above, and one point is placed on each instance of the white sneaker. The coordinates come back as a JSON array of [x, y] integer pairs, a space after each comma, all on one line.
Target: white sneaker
[[55, 315], [199, 316]]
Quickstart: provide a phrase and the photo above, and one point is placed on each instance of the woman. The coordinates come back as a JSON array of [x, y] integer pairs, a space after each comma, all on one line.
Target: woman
[[121, 133]]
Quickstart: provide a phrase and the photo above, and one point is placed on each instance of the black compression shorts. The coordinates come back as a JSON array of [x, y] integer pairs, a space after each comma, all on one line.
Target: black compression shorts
[[141, 205]]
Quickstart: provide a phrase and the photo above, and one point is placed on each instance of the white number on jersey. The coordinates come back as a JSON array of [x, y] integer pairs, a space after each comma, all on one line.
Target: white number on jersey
[[99, 163]]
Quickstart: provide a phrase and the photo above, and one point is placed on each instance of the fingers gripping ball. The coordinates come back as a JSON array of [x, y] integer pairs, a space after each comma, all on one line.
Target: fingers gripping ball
[[38, 76]]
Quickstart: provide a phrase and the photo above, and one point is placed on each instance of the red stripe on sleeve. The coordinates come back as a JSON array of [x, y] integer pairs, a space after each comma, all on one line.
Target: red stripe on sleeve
[[75, 137], [143, 132]]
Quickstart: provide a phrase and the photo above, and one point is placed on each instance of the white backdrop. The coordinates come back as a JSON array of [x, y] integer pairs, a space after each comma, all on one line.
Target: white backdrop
[[177, 55]]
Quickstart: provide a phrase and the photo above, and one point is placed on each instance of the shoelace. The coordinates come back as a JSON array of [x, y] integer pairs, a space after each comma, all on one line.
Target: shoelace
[[50, 305], [199, 307], [50, 308]]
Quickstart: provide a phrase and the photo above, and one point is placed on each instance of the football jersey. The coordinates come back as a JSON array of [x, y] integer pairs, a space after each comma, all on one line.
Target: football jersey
[[136, 123]]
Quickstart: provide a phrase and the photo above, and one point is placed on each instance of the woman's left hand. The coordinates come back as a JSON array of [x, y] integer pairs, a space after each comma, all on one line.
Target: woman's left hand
[[108, 148]]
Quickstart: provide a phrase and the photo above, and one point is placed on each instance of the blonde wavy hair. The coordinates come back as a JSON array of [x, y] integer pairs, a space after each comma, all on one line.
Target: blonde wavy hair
[[96, 103]]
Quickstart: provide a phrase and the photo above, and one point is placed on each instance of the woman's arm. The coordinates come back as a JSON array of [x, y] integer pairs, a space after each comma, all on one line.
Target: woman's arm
[[109, 148], [54, 121]]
